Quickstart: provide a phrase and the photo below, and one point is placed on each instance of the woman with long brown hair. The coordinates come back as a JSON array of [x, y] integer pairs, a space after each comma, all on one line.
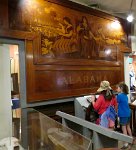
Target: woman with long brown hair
[[105, 99]]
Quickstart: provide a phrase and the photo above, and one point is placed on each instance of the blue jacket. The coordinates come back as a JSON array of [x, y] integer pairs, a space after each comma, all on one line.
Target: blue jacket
[[110, 113]]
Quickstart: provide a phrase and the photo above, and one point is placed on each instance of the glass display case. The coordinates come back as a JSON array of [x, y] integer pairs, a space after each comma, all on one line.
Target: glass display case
[[41, 132]]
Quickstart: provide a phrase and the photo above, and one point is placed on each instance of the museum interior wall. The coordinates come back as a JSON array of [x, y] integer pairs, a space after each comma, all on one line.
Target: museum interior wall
[[69, 48]]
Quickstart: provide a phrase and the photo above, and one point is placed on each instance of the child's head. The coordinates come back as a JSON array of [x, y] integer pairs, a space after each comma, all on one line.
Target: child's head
[[122, 88]]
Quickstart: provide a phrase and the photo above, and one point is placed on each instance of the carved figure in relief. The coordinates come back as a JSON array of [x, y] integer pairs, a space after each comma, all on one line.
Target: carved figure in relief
[[104, 43], [47, 49], [100, 39], [66, 42], [87, 43], [65, 29]]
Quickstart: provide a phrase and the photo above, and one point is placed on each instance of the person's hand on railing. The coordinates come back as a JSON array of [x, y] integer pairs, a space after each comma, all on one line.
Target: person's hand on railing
[[91, 98]]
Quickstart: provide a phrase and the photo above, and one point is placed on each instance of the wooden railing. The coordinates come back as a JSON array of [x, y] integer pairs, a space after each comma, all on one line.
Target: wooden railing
[[102, 137]]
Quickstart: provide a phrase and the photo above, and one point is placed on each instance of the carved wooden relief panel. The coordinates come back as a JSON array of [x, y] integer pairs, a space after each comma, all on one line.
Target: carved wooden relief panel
[[74, 49], [68, 34]]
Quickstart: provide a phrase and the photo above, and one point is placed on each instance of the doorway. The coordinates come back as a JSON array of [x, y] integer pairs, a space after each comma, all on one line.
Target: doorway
[[15, 90], [15, 59], [130, 75]]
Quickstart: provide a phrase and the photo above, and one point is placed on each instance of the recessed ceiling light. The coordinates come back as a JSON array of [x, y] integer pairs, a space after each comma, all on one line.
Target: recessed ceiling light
[[130, 18]]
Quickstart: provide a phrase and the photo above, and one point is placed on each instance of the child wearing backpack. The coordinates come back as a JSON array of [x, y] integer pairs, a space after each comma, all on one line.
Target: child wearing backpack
[[103, 103], [124, 112]]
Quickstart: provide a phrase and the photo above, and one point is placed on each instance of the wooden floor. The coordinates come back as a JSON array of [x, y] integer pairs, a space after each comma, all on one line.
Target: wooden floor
[[132, 147]]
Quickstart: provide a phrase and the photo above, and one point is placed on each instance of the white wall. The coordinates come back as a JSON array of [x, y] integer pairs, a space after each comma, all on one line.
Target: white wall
[[5, 93], [133, 43]]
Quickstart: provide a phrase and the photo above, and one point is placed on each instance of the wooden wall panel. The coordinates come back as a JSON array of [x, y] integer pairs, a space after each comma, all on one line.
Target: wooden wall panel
[[69, 48], [69, 34], [4, 14], [65, 83]]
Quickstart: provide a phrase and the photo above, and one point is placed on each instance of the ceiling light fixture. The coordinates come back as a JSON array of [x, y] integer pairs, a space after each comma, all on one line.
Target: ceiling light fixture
[[130, 17]]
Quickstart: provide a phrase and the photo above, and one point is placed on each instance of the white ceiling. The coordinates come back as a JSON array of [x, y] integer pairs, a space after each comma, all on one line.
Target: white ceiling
[[116, 7]]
